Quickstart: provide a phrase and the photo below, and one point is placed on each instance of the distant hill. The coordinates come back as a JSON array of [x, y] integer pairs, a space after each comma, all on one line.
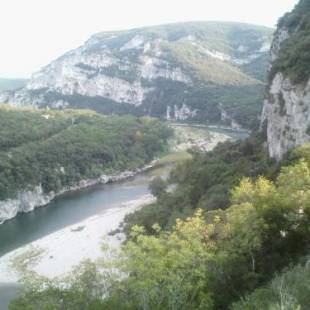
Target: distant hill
[[199, 71], [12, 84]]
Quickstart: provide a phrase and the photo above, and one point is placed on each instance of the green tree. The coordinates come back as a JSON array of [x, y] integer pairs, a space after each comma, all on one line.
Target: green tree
[[168, 271], [158, 187]]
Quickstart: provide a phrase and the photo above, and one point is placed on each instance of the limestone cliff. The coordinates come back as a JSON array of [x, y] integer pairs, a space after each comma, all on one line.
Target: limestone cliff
[[286, 114], [178, 71]]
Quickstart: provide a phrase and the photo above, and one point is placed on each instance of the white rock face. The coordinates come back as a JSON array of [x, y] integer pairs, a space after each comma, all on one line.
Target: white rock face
[[225, 117], [80, 74], [180, 113], [287, 114], [95, 70], [280, 36], [26, 201], [154, 68]]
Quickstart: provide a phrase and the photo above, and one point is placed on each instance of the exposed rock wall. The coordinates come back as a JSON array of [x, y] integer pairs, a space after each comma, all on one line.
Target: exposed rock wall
[[286, 110], [182, 113], [145, 71], [287, 114]]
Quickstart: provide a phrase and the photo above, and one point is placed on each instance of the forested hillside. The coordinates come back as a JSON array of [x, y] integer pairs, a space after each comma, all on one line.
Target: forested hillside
[[294, 57], [58, 149]]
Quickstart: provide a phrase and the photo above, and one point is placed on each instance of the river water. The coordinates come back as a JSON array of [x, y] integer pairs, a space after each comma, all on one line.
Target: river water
[[66, 210]]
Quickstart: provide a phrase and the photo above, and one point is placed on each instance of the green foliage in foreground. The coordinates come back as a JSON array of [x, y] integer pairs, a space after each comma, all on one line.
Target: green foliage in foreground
[[289, 290], [207, 261], [205, 182], [58, 149]]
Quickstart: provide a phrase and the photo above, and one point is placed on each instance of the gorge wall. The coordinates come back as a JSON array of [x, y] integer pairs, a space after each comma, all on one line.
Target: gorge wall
[[286, 114], [188, 71]]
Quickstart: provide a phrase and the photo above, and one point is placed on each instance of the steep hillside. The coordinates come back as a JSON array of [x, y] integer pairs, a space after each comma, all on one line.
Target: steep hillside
[[202, 71], [286, 115]]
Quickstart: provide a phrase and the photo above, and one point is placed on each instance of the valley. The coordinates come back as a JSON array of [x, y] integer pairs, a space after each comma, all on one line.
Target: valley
[[71, 228], [161, 168]]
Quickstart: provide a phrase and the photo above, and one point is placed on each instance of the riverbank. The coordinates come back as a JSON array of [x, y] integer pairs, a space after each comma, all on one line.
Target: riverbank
[[27, 201], [56, 254]]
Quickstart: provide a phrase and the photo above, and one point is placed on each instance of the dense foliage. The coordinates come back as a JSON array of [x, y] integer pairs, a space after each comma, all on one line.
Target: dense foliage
[[58, 149], [288, 290], [294, 56], [207, 261], [205, 182]]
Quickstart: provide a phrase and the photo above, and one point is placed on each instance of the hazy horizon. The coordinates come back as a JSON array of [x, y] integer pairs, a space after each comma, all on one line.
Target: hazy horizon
[[36, 32]]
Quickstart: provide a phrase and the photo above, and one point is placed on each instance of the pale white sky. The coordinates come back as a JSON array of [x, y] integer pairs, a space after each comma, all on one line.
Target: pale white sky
[[34, 32]]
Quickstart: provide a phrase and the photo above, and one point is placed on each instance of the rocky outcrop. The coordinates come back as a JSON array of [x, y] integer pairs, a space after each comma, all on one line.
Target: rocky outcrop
[[280, 36], [28, 200], [227, 119], [145, 71], [286, 115], [182, 113], [25, 201]]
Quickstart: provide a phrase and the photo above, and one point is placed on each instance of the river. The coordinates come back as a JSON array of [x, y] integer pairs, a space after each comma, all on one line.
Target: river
[[72, 209]]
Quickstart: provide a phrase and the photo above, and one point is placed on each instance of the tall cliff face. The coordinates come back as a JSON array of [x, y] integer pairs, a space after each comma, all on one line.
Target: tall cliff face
[[178, 71], [286, 111]]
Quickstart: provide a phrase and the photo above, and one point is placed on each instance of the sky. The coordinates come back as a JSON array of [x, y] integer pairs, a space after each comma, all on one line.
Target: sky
[[34, 32]]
